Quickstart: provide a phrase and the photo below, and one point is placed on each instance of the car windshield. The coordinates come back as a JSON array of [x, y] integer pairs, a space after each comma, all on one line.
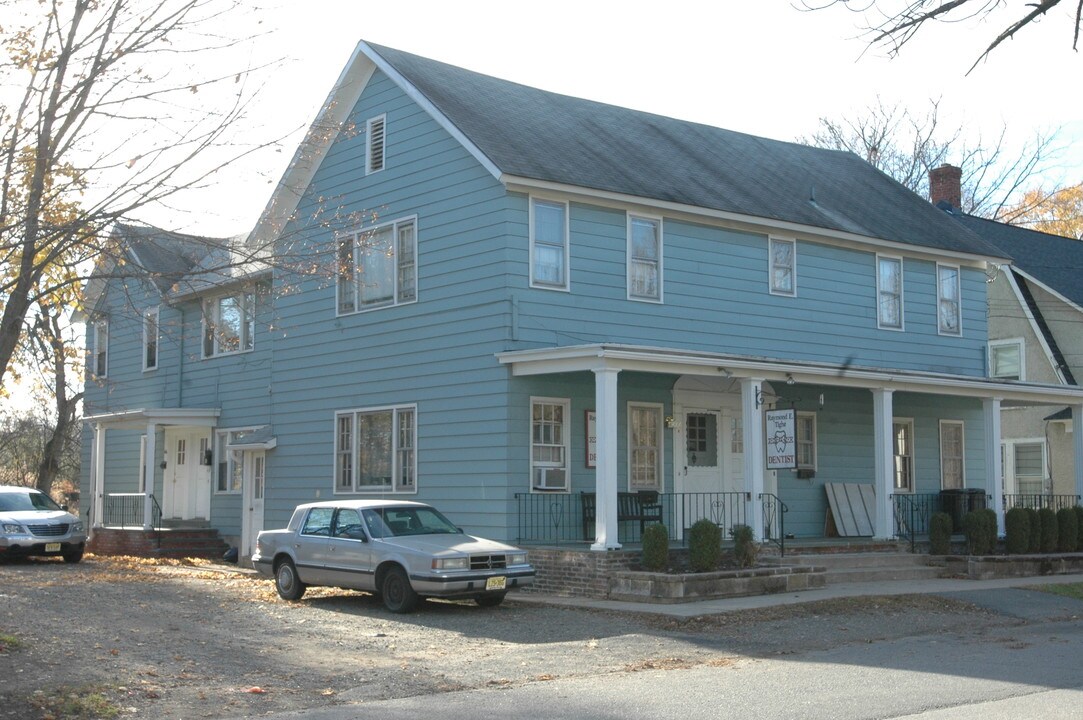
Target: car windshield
[[30, 500], [399, 521]]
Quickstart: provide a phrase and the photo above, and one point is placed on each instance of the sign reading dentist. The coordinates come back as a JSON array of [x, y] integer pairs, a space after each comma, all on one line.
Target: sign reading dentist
[[781, 440]]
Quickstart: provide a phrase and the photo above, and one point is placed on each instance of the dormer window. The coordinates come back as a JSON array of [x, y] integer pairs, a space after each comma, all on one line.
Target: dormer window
[[375, 143], [1006, 359], [101, 349]]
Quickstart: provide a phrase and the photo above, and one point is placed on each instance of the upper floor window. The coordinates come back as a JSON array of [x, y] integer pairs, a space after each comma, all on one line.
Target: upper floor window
[[1006, 359], [783, 270], [229, 324], [150, 339], [947, 291], [889, 289], [806, 441], [376, 450], [951, 455], [378, 266], [548, 244], [375, 143], [101, 348], [644, 258], [644, 447], [549, 418]]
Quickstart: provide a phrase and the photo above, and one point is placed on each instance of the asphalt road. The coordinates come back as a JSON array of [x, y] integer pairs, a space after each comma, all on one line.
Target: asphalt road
[[1030, 669]]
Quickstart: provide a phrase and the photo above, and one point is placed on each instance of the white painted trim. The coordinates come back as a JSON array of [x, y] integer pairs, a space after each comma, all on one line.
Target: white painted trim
[[382, 119], [959, 294], [226, 431], [657, 220], [1018, 342], [815, 439], [205, 318], [660, 408], [355, 488], [913, 455], [902, 293], [962, 449], [1033, 321], [157, 339], [1051, 291], [1011, 480], [131, 419], [355, 236], [566, 403], [792, 242], [566, 287], [745, 223]]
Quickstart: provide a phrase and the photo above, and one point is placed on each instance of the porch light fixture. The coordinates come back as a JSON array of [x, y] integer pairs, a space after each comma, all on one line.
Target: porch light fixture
[[790, 380], [673, 423]]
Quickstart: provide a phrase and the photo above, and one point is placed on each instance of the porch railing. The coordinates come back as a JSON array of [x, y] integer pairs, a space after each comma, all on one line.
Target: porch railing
[[124, 510], [1037, 501], [557, 518], [912, 514], [774, 521]]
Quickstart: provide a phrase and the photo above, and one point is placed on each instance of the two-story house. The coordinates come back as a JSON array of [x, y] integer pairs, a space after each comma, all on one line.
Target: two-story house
[[496, 298]]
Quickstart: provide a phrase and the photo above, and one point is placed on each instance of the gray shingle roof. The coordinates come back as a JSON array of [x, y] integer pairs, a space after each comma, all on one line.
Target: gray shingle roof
[[1050, 259], [532, 133], [164, 255]]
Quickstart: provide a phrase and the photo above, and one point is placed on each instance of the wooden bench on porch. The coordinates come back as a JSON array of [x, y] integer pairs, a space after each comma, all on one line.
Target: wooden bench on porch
[[642, 506]]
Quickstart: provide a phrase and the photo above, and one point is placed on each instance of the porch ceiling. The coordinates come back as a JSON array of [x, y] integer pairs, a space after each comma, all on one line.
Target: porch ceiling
[[141, 418], [581, 358]]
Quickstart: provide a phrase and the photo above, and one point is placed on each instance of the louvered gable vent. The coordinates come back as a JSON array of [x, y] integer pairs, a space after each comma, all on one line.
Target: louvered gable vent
[[376, 144]]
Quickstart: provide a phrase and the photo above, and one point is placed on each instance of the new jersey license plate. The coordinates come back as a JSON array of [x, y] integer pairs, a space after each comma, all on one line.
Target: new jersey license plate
[[52, 547], [496, 583]]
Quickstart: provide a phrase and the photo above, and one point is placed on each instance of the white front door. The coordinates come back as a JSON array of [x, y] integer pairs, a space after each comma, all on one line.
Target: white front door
[[702, 451], [186, 482], [252, 486]]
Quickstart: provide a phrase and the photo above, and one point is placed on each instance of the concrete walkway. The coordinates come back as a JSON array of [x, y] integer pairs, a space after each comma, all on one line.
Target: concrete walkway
[[842, 590]]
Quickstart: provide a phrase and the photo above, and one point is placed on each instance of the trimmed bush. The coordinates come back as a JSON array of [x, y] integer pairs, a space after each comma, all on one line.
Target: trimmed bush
[[1050, 533], [704, 546], [744, 546], [1035, 545], [1078, 510], [1067, 530], [655, 547], [940, 534], [981, 534], [1017, 531]]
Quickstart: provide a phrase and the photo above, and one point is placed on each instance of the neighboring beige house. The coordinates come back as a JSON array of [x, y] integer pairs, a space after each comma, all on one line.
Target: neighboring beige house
[[1035, 317]]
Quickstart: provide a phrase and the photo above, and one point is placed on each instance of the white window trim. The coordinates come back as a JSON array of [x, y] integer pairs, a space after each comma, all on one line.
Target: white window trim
[[142, 472], [355, 238], [99, 350], [958, 294], [1007, 342], [567, 405], [657, 220], [902, 293], [147, 315], [962, 449], [356, 467], [209, 306], [229, 457], [566, 287], [659, 409], [913, 455], [368, 144], [1008, 466], [815, 441], [792, 242]]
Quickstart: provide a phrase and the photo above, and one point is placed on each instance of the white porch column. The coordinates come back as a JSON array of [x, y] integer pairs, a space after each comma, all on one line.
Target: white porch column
[[993, 470], [752, 426], [1077, 446], [884, 454], [97, 516], [148, 469], [605, 403]]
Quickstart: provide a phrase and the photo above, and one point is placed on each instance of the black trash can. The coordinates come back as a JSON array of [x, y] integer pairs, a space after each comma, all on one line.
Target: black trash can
[[957, 502]]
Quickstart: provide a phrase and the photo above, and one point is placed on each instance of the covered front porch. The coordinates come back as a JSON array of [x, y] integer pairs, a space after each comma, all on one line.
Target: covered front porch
[[903, 435]]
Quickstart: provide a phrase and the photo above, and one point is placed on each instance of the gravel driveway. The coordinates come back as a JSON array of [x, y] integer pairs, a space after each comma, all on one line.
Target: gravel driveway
[[155, 640]]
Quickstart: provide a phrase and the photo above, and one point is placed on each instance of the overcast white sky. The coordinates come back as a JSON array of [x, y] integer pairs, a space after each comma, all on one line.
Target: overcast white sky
[[760, 67]]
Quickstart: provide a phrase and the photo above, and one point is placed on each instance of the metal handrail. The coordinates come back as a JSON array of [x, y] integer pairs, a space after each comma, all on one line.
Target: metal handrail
[[156, 519], [772, 505]]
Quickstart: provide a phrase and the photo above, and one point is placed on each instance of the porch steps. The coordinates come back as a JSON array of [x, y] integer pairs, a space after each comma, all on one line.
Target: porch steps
[[173, 543], [855, 567]]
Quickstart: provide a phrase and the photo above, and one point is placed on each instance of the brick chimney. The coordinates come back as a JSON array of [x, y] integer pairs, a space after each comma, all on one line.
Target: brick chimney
[[945, 186]]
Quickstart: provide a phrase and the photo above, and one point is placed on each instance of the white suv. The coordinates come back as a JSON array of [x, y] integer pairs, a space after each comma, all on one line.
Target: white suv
[[32, 524]]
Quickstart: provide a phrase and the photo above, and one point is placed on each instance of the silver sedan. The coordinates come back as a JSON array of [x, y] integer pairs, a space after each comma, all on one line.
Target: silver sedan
[[403, 551]]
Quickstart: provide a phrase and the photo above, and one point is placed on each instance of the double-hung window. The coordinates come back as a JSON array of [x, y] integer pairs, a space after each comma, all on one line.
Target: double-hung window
[[948, 292], [101, 348], [229, 324], [902, 441], [889, 292], [376, 450], [783, 266], [548, 244], [375, 143], [806, 441], [549, 435], [150, 339], [1006, 359], [377, 267], [644, 258], [229, 474], [951, 455], [644, 447]]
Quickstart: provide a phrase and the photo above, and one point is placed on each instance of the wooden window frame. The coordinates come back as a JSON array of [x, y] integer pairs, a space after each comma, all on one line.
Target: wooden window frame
[[566, 283], [404, 280], [403, 471], [150, 325], [899, 297], [774, 289], [962, 451], [658, 410], [1020, 346], [633, 260], [941, 299], [566, 404]]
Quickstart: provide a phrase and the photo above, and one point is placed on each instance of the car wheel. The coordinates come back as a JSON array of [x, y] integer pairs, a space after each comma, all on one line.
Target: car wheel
[[288, 585], [398, 595], [490, 600], [73, 556]]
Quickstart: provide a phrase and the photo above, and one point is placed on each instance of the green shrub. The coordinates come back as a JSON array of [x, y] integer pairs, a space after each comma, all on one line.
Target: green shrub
[[1017, 531], [1078, 510], [1035, 545], [1067, 530], [744, 546], [655, 547], [940, 534], [704, 546], [1050, 534], [981, 533]]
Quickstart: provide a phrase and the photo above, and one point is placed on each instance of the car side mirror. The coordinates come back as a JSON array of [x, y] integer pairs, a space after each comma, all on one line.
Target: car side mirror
[[64, 508], [357, 534]]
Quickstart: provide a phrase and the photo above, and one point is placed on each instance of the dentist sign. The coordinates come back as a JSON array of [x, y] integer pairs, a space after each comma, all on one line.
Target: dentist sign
[[781, 439]]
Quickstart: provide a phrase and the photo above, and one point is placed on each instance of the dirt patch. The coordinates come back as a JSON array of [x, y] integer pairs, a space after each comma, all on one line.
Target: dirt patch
[[167, 640]]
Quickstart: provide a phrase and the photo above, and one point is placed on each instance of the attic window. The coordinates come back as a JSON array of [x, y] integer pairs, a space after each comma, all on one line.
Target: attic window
[[374, 144]]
